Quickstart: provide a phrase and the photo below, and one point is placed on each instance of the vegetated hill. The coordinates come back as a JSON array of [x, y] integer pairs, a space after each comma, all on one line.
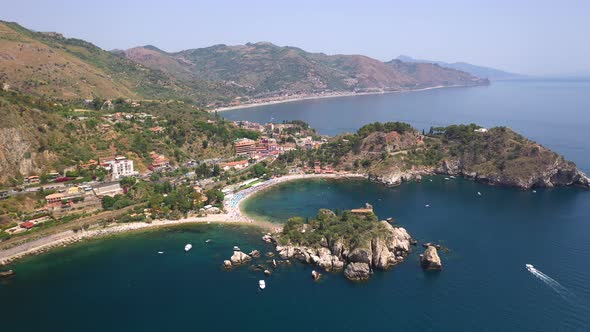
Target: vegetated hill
[[264, 68], [37, 136], [393, 152], [48, 64], [478, 71]]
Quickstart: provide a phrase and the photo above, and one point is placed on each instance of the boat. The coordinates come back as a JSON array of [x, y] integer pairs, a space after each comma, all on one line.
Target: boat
[[261, 284], [160, 252], [529, 267], [478, 193], [534, 191], [236, 248], [447, 179], [208, 240], [452, 177], [188, 247], [427, 205]]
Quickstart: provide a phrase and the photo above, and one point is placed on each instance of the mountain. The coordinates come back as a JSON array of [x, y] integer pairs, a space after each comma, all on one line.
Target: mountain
[[478, 71], [264, 68], [48, 64]]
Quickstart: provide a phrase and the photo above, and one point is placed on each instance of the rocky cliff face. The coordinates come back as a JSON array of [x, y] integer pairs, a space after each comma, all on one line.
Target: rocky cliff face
[[380, 252], [498, 156]]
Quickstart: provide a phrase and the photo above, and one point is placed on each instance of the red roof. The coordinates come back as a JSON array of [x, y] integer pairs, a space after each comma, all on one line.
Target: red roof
[[27, 224]]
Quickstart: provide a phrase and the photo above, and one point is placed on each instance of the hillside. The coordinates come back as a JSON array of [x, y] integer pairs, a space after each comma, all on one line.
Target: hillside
[[37, 136], [48, 64], [475, 70], [263, 68], [393, 152]]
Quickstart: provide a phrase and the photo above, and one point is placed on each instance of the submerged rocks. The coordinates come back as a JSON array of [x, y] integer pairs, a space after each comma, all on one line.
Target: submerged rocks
[[254, 254], [357, 271], [227, 264], [430, 260], [4, 274], [239, 258], [315, 275]]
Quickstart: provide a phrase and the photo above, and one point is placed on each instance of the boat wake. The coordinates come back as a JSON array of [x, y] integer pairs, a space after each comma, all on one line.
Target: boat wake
[[552, 283]]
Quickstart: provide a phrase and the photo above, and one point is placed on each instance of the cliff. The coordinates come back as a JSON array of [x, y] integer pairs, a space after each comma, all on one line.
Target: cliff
[[393, 152], [356, 243]]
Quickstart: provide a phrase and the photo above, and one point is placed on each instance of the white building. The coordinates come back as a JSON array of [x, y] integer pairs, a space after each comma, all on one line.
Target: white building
[[121, 167], [481, 130]]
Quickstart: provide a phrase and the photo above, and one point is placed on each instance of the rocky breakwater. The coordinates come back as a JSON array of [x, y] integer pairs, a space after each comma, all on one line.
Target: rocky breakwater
[[354, 242]]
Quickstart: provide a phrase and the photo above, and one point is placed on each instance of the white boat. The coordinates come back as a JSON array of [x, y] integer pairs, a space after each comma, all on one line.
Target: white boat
[[427, 205], [188, 247], [208, 240], [447, 179], [261, 284], [160, 252], [529, 267], [534, 191], [236, 248], [452, 177], [478, 193]]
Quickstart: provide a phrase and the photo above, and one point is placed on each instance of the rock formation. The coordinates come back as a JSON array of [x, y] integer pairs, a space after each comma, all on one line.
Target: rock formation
[[239, 258], [380, 252], [430, 260]]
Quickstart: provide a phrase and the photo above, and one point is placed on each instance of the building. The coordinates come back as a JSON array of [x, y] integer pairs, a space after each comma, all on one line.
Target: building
[[244, 146], [158, 161], [235, 165], [33, 179], [107, 189], [119, 167], [366, 210], [481, 130]]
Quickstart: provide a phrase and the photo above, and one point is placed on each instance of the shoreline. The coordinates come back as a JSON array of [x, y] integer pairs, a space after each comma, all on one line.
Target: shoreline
[[233, 215], [330, 95]]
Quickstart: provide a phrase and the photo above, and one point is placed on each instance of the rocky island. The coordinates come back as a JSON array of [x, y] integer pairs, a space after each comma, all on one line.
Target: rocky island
[[354, 241]]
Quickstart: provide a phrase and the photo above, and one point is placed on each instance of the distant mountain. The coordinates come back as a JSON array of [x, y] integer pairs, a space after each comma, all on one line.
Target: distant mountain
[[264, 68], [50, 65], [478, 71]]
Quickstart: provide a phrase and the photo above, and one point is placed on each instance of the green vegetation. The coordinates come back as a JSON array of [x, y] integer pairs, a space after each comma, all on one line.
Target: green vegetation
[[354, 230]]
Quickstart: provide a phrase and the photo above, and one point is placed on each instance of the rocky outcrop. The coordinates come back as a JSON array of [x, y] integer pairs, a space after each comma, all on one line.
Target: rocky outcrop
[[357, 271], [430, 260], [380, 252], [239, 258], [315, 275]]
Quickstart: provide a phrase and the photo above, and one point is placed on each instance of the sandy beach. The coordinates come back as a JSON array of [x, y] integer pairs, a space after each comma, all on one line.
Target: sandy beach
[[324, 96], [232, 214]]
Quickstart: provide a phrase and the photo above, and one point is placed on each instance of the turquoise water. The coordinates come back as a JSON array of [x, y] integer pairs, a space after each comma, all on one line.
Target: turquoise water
[[122, 284]]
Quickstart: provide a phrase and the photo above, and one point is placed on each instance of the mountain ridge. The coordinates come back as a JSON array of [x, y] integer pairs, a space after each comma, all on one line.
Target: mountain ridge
[[475, 70]]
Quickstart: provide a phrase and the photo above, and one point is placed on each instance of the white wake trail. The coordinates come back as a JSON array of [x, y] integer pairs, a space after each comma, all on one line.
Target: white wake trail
[[556, 286]]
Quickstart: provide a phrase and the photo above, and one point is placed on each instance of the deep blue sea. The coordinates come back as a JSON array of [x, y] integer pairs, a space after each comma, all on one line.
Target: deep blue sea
[[122, 284]]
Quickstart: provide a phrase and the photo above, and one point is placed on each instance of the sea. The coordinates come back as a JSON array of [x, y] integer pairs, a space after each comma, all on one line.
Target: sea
[[123, 283]]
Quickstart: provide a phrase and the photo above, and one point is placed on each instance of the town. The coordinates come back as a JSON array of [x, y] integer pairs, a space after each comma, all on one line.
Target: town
[[98, 185]]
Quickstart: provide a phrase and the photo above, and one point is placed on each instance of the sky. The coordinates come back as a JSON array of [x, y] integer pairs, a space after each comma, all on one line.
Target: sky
[[530, 37]]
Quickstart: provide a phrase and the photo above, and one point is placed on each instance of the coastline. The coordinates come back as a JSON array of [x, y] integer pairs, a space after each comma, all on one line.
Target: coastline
[[330, 95], [233, 215]]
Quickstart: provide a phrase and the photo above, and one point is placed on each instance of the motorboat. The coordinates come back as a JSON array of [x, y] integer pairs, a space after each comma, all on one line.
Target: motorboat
[[261, 284], [236, 248], [188, 247], [160, 252], [208, 240], [478, 193], [529, 267]]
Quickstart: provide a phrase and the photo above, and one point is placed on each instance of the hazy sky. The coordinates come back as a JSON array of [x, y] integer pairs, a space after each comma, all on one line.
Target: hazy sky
[[534, 37]]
